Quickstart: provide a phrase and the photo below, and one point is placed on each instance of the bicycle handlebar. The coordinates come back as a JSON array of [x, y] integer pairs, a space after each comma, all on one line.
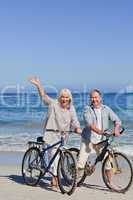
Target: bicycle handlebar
[[109, 134], [106, 133], [123, 129], [58, 131]]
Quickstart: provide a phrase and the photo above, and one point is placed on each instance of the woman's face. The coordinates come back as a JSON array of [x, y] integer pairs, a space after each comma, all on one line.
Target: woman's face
[[64, 100]]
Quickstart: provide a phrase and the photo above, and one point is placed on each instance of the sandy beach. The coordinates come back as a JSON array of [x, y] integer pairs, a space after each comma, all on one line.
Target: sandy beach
[[12, 186]]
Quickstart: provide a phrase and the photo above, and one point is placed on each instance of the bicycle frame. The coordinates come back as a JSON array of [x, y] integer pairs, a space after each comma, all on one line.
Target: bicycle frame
[[113, 162], [40, 143], [35, 166], [101, 156], [60, 143], [106, 143]]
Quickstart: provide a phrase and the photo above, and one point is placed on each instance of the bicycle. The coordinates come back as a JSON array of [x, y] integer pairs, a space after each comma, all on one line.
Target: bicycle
[[34, 166], [120, 166]]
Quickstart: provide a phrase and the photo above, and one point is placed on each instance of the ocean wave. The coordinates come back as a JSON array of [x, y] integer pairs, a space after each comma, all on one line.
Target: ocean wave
[[126, 149], [18, 142]]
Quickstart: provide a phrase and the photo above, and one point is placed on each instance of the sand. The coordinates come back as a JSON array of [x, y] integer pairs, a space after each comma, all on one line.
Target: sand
[[12, 186]]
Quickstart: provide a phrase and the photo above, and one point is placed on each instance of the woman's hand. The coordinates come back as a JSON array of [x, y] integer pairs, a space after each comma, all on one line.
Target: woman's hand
[[34, 81]]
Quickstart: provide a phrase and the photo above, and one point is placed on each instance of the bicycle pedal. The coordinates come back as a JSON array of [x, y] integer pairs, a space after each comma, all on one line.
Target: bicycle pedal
[[42, 170], [89, 170]]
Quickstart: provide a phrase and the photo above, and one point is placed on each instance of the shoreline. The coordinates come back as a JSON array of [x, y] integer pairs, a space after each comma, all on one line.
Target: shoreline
[[15, 157], [11, 157]]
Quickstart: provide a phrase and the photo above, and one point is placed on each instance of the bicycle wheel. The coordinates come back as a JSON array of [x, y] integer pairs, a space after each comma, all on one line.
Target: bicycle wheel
[[118, 169], [31, 166], [81, 174], [66, 173]]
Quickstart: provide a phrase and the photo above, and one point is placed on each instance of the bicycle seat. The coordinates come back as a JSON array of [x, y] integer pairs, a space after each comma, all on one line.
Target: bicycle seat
[[40, 139]]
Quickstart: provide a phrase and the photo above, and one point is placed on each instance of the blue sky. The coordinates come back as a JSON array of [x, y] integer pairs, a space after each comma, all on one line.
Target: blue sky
[[67, 43]]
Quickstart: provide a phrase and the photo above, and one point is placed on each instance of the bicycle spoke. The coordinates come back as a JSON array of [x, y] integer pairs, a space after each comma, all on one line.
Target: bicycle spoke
[[117, 172], [81, 175], [67, 173], [31, 166]]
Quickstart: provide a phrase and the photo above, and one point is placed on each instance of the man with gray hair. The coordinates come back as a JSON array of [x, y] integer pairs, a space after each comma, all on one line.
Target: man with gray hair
[[97, 119]]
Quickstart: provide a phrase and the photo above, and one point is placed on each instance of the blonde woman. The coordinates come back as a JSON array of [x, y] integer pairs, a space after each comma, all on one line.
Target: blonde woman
[[61, 116]]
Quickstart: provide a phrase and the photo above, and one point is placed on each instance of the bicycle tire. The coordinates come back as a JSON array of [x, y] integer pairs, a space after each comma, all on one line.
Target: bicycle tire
[[81, 179], [66, 173], [122, 172], [30, 165]]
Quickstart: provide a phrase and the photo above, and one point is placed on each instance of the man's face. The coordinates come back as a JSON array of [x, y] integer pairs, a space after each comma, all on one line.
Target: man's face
[[95, 99]]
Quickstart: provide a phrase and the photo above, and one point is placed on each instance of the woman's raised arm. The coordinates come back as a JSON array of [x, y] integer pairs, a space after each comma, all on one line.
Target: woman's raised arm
[[35, 81]]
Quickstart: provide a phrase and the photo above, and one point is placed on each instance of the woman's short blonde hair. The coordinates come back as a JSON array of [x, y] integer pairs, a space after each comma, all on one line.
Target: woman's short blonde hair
[[68, 92]]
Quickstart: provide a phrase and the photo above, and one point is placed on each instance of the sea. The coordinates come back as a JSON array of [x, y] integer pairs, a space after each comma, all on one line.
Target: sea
[[22, 116]]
